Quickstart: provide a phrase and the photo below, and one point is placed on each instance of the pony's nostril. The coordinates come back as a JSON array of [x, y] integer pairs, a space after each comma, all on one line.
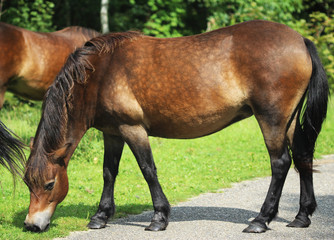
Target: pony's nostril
[[36, 228], [32, 228], [27, 226]]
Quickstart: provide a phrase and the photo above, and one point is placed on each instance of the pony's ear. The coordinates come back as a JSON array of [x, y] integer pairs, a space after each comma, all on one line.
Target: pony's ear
[[31, 143], [59, 155]]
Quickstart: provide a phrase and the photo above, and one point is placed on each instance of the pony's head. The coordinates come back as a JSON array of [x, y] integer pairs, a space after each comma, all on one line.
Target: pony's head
[[55, 141], [46, 178]]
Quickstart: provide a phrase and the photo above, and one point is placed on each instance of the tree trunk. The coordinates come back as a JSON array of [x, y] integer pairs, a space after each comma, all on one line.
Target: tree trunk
[[104, 16], [1, 4]]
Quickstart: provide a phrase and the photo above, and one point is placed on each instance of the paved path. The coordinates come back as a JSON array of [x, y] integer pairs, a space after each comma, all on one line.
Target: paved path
[[224, 215]]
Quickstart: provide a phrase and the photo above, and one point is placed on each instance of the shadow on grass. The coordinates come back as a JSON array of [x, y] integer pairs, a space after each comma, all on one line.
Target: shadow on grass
[[82, 211], [178, 213], [235, 215]]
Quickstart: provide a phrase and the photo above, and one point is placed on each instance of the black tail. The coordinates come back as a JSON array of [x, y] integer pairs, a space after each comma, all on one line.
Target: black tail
[[311, 114], [11, 153]]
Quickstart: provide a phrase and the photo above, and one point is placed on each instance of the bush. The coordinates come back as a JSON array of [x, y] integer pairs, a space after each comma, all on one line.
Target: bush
[[34, 15], [235, 11], [321, 32]]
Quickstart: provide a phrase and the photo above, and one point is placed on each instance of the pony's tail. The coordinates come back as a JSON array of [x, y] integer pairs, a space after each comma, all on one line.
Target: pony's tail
[[311, 113], [11, 152]]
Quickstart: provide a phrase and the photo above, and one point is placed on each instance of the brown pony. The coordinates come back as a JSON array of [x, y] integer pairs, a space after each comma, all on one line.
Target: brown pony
[[132, 86], [30, 61]]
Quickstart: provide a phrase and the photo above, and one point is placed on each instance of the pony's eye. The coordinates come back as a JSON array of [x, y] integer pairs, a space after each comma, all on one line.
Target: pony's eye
[[49, 186]]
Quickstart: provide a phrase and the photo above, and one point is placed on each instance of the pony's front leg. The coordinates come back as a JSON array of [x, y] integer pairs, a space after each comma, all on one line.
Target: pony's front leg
[[113, 147], [137, 139]]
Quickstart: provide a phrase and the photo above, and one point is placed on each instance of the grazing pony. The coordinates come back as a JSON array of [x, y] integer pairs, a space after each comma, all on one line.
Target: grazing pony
[[131, 86], [11, 154], [30, 61]]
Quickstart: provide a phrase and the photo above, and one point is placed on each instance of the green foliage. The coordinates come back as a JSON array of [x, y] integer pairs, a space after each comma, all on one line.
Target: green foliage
[[34, 15], [127, 15], [321, 32], [230, 12], [152, 17], [324, 6], [165, 18]]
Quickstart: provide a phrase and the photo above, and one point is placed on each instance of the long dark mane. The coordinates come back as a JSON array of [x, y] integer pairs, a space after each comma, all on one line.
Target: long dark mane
[[58, 100]]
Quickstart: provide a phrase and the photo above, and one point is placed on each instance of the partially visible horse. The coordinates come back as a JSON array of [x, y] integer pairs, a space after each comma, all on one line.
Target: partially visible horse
[[30, 61], [11, 154], [131, 86]]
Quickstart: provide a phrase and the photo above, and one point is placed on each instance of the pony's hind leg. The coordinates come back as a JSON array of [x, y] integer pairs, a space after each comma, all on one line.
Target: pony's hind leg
[[308, 126], [274, 132], [303, 159], [113, 147], [137, 139]]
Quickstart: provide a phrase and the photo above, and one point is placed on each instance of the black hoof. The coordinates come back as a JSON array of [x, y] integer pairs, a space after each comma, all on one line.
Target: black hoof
[[156, 226], [96, 224], [256, 227], [298, 223]]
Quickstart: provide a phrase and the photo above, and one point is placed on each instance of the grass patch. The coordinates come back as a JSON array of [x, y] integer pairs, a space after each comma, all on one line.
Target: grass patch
[[186, 168]]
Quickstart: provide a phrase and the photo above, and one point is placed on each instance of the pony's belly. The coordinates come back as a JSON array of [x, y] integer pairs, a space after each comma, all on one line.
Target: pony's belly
[[194, 127], [29, 89]]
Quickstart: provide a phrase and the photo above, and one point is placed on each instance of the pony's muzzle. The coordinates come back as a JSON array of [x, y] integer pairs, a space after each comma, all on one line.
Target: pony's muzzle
[[35, 228], [39, 222]]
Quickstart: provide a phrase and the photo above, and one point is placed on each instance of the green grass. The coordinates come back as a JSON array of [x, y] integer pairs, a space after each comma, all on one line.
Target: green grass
[[185, 167]]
